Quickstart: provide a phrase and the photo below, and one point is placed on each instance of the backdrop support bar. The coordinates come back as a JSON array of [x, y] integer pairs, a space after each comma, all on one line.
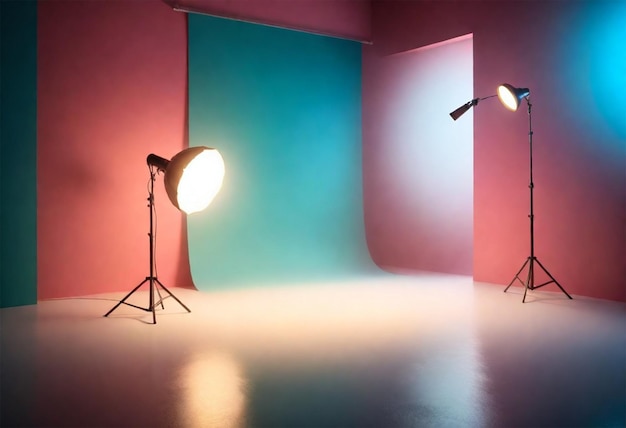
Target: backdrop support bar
[[186, 9]]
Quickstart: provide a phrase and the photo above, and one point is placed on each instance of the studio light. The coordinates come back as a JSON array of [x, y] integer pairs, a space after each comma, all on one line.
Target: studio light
[[511, 97], [192, 178]]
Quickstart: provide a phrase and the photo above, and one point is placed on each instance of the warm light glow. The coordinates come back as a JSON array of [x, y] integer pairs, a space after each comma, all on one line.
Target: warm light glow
[[200, 181], [508, 98]]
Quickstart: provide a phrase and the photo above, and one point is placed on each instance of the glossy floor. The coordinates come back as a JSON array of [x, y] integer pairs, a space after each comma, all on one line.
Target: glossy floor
[[388, 351]]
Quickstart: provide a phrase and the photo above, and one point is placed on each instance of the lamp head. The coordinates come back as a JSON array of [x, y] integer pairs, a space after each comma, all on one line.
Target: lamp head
[[511, 97], [192, 177]]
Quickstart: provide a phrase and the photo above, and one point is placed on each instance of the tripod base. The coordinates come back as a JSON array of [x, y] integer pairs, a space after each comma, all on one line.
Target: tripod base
[[529, 284], [151, 304]]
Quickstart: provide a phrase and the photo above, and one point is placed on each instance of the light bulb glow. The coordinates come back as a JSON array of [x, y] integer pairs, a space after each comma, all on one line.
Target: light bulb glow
[[200, 181], [507, 98]]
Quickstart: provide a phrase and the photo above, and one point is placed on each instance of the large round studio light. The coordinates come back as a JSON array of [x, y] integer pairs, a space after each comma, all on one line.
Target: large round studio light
[[510, 96], [192, 178]]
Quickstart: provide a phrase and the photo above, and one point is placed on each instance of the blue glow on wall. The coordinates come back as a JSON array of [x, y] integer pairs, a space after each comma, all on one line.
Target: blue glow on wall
[[596, 61]]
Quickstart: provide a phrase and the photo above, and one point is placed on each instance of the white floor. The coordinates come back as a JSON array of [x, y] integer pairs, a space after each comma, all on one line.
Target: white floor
[[387, 351]]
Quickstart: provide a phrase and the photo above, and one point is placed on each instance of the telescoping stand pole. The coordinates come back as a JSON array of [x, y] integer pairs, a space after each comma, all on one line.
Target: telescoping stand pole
[[152, 279], [531, 261]]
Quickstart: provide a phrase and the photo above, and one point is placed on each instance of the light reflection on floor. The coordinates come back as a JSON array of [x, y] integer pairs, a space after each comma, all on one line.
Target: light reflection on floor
[[389, 351], [213, 391]]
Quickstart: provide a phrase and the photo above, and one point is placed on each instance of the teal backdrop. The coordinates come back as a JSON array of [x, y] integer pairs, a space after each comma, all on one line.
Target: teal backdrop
[[284, 109], [18, 153]]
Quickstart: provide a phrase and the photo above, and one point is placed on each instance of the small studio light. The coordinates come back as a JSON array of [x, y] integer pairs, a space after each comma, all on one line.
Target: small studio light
[[511, 97]]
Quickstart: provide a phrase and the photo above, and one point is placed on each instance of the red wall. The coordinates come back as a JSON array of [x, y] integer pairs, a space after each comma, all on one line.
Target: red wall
[[579, 135], [111, 89]]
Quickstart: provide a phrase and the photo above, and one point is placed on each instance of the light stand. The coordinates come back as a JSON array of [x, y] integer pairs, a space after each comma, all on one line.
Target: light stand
[[529, 284], [152, 279]]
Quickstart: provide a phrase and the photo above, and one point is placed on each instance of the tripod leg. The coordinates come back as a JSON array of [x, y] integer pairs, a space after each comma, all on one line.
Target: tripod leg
[[151, 298], [552, 278], [159, 293], [127, 296], [530, 279], [171, 294], [153, 309], [517, 275]]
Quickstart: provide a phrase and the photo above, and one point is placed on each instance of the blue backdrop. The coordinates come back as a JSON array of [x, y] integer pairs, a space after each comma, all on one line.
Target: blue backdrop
[[284, 109]]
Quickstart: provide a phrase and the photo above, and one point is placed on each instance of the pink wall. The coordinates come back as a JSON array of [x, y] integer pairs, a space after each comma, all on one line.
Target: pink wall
[[342, 18], [111, 89], [579, 138], [418, 189]]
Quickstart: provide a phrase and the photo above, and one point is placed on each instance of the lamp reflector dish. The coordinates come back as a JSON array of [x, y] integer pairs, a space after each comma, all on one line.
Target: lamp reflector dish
[[193, 178], [200, 181], [511, 97]]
